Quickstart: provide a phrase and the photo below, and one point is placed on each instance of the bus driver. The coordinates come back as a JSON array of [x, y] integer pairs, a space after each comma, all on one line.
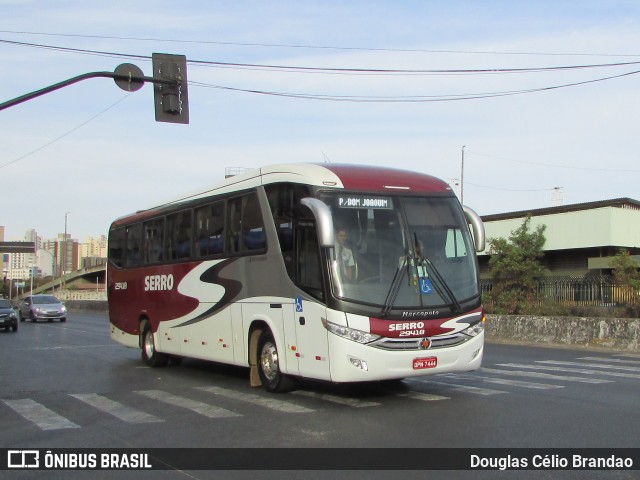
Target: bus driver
[[344, 255]]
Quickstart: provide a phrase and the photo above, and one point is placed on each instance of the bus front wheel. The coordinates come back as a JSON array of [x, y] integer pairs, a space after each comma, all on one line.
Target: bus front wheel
[[150, 355], [272, 378]]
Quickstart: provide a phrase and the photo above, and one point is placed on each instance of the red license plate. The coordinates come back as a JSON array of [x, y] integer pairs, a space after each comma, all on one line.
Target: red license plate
[[429, 362]]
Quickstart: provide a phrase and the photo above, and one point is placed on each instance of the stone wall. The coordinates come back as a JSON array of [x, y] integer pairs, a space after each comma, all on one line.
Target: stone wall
[[611, 333]]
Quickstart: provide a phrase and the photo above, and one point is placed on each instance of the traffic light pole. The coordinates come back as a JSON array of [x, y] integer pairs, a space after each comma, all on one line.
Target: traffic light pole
[[169, 79], [118, 77]]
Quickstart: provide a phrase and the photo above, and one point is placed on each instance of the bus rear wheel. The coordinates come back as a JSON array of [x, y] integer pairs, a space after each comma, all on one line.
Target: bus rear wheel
[[150, 355], [272, 378]]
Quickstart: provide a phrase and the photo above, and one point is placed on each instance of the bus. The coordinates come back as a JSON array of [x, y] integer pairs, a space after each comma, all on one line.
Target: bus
[[250, 272]]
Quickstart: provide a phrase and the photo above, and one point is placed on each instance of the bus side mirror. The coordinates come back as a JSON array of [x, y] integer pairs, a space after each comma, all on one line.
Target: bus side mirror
[[324, 220], [477, 227]]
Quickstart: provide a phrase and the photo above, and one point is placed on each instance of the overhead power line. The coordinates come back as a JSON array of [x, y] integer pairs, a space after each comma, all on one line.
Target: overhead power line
[[363, 71], [316, 47], [343, 70], [410, 99]]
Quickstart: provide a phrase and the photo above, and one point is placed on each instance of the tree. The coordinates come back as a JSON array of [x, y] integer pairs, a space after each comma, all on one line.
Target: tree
[[515, 267], [626, 274]]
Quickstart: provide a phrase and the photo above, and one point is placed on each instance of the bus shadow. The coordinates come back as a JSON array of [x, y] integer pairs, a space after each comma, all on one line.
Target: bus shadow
[[229, 375]]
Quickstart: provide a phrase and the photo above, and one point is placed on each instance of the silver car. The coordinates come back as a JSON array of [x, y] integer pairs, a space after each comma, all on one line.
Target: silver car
[[42, 307]]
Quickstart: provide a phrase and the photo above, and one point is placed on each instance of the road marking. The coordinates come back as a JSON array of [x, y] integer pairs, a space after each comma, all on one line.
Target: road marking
[[513, 383], [39, 414], [590, 365], [612, 360], [548, 376], [118, 410], [73, 347], [424, 397], [460, 388], [201, 408], [571, 370], [271, 403], [348, 401]]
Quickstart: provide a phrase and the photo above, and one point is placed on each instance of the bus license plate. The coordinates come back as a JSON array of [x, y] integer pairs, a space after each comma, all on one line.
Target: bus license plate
[[429, 362]]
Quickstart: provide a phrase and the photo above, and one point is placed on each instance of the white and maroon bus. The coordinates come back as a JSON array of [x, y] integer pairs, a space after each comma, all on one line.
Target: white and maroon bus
[[249, 272]]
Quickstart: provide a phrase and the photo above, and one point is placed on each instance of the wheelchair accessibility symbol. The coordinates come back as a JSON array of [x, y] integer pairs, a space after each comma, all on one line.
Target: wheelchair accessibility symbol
[[298, 304], [426, 286]]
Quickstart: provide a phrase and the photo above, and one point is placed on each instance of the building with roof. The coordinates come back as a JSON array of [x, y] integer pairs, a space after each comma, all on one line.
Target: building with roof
[[581, 239]]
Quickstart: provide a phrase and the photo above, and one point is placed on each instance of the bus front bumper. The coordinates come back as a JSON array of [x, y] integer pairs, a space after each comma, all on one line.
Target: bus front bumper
[[355, 362]]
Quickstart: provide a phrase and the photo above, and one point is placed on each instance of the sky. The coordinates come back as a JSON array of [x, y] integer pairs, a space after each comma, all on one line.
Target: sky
[[483, 94]]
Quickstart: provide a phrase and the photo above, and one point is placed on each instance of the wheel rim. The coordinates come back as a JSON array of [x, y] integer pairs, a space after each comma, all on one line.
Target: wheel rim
[[148, 344], [269, 361]]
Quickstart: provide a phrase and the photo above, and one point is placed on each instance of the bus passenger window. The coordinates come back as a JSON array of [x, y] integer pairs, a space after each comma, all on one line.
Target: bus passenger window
[[210, 229], [153, 234], [117, 246], [246, 229], [134, 244], [252, 227], [235, 224], [178, 244]]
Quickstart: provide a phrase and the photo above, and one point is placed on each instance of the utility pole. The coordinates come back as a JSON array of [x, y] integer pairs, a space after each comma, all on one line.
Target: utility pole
[[462, 178]]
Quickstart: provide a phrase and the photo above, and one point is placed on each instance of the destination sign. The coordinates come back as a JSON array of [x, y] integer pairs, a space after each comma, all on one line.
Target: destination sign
[[364, 201]]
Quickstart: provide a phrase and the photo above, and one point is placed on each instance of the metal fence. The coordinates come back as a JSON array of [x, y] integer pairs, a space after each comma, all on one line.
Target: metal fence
[[588, 290]]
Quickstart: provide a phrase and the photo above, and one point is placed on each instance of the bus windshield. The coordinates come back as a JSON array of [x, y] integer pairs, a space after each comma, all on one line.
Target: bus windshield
[[401, 252]]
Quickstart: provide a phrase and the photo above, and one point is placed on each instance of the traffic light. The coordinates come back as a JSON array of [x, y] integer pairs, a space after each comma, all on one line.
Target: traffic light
[[170, 96]]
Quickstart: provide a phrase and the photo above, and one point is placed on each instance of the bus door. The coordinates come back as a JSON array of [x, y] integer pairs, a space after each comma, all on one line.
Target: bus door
[[312, 348]]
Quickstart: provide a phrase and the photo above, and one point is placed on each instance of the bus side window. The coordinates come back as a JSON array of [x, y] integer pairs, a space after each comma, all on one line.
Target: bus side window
[[246, 229], [308, 272], [117, 247], [253, 235], [234, 224], [284, 201], [178, 245], [134, 245], [210, 229], [153, 236]]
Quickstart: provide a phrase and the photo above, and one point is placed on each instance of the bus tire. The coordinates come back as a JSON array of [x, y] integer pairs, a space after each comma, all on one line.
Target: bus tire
[[150, 356], [272, 378]]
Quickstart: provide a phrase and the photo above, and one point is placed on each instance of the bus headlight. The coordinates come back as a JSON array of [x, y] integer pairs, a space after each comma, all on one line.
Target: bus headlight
[[474, 330], [350, 333]]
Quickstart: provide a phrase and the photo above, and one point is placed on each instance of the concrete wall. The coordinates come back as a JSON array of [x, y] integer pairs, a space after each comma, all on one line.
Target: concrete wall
[[91, 305], [610, 333]]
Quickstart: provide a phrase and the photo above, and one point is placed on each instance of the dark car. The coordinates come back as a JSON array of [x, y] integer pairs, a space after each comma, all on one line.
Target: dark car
[[8, 317], [42, 307]]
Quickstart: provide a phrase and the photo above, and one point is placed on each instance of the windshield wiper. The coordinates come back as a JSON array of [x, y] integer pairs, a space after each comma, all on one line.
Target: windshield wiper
[[395, 287]]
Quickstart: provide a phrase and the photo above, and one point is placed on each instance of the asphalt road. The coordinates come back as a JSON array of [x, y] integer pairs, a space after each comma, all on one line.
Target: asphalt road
[[67, 385]]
